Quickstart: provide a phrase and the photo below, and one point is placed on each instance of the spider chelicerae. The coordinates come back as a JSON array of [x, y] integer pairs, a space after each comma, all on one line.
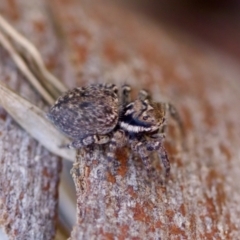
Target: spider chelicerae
[[98, 114]]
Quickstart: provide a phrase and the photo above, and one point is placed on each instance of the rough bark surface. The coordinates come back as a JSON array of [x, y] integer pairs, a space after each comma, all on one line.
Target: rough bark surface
[[201, 198], [29, 174], [103, 43]]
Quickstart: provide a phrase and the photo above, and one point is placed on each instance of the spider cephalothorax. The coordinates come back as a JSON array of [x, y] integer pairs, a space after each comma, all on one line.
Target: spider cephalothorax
[[97, 114], [140, 116]]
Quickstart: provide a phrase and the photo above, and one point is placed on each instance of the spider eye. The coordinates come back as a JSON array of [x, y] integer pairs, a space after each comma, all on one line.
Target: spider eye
[[115, 90], [145, 117]]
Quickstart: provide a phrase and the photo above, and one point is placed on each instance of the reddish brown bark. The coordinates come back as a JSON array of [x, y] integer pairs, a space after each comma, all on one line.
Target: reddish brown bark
[[103, 43], [201, 199]]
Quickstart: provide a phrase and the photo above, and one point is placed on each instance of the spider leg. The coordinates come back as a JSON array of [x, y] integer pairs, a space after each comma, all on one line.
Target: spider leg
[[118, 140], [156, 145], [112, 149], [144, 95], [175, 115], [164, 157], [140, 148], [88, 140], [126, 98]]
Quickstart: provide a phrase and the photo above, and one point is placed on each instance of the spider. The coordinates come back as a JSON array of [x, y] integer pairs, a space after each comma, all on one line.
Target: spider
[[98, 114]]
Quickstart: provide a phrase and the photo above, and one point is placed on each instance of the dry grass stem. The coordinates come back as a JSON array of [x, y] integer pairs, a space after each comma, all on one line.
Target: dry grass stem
[[35, 123], [30, 54], [24, 69]]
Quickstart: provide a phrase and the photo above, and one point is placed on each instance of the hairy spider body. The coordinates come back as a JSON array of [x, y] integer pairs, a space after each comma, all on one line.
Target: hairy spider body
[[97, 114], [86, 114]]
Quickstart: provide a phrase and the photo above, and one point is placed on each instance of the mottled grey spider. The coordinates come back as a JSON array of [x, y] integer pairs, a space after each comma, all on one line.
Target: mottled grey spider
[[97, 114]]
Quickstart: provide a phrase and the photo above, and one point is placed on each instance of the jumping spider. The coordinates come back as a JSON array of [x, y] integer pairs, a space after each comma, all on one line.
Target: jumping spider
[[97, 114]]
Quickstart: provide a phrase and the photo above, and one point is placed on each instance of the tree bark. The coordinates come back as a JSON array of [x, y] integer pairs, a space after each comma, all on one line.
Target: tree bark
[[201, 198], [104, 43], [29, 173]]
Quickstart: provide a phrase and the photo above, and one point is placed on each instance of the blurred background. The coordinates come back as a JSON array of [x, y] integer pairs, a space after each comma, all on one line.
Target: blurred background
[[214, 22]]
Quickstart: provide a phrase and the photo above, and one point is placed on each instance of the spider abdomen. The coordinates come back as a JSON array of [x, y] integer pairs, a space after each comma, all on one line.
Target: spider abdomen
[[86, 111]]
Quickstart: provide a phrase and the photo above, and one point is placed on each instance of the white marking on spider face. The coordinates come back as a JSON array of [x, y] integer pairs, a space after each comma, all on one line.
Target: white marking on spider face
[[128, 112], [130, 128], [136, 129]]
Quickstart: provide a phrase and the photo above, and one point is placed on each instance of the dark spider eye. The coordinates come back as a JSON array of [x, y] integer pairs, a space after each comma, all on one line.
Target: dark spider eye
[[115, 90], [145, 117]]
